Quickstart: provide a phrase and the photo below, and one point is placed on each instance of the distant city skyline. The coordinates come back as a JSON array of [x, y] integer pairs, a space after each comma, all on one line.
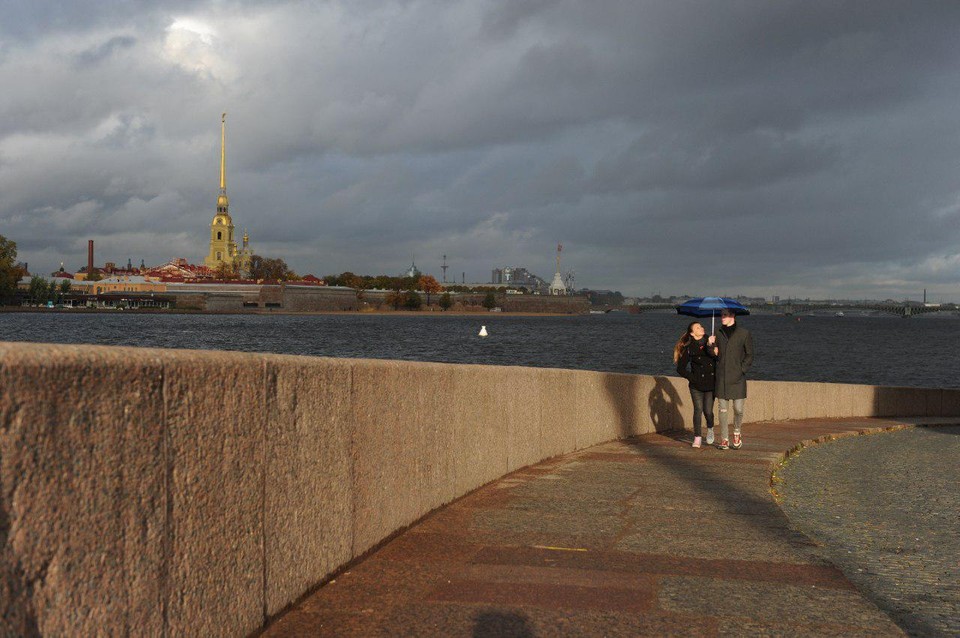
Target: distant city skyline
[[792, 148]]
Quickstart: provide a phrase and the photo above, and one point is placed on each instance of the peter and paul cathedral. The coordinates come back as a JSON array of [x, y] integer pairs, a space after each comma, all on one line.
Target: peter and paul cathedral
[[223, 247]]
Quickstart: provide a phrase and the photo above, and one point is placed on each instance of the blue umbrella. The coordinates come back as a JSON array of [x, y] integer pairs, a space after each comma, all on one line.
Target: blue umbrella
[[710, 307]]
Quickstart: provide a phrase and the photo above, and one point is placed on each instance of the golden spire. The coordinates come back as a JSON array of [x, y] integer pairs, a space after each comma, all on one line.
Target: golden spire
[[222, 202]]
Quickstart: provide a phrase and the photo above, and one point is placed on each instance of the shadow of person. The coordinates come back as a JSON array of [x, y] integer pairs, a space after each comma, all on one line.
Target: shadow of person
[[623, 391], [498, 624], [665, 402]]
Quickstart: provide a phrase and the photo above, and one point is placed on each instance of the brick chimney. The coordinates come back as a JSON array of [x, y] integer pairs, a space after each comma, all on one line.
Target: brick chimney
[[89, 257]]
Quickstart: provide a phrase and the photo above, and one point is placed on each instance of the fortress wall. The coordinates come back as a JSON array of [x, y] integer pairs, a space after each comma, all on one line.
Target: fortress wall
[[188, 300], [199, 493], [317, 298], [294, 298], [227, 302], [543, 303]]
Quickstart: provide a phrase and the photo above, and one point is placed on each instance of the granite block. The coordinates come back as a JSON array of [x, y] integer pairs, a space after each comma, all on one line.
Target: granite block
[[82, 504], [309, 497], [216, 409]]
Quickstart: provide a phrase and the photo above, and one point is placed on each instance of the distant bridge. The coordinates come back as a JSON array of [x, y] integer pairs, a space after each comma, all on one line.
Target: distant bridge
[[643, 307], [899, 309], [799, 308]]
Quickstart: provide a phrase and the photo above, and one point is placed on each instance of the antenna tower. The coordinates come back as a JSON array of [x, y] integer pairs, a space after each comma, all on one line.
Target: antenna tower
[[444, 269]]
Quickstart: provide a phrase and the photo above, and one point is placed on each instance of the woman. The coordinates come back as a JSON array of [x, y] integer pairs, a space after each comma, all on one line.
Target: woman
[[696, 363]]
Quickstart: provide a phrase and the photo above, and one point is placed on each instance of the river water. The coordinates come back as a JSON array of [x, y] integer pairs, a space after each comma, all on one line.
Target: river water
[[879, 350]]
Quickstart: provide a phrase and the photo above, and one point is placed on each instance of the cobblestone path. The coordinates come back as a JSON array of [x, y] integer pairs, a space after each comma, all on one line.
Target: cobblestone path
[[887, 510], [644, 537]]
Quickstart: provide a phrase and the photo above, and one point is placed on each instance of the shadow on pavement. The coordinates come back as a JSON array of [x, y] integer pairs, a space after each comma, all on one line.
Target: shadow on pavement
[[498, 624], [664, 403], [950, 430]]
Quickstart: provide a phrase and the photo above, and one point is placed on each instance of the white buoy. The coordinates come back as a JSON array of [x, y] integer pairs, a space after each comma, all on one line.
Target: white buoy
[[483, 331]]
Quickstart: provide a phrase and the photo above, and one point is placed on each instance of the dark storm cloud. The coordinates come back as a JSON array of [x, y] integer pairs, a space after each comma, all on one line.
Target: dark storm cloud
[[502, 20], [104, 50], [683, 160], [786, 148]]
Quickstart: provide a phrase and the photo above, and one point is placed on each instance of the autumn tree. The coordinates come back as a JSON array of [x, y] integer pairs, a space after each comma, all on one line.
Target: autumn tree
[[351, 280], [10, 273], [394, 298], [267, 268], [226, 272], [382, 282], [429, 285]]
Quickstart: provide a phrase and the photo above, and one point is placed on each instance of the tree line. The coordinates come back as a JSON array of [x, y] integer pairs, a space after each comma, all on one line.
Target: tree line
[[41, 291], [10, 271], [261, 268], [404, 290], [423, 283]]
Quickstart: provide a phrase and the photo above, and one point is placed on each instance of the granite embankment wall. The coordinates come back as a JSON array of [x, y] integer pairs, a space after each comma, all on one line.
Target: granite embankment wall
[[293, 298], [163, 492]]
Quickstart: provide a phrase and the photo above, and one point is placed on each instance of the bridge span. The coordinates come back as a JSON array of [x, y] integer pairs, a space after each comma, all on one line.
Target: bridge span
[[798, 308], [899, 309]]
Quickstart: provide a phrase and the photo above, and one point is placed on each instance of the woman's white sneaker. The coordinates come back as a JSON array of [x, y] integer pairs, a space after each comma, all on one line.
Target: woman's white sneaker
[[709, 436]]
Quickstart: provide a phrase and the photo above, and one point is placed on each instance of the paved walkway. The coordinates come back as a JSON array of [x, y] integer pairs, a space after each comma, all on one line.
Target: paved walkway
[[887, 511], [641, 537]]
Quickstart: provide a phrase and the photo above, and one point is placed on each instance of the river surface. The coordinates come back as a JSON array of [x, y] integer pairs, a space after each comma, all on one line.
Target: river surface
[[920, 351]]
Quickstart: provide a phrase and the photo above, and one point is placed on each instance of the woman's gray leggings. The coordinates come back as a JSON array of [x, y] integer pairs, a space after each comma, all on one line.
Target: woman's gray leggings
[[702, 405], [737, 416]]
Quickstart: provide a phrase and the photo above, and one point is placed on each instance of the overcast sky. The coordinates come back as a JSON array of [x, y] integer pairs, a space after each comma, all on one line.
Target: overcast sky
[[706, 147]]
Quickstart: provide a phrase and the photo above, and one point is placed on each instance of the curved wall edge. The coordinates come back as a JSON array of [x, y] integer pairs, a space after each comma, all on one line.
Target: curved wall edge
[[180, 492]]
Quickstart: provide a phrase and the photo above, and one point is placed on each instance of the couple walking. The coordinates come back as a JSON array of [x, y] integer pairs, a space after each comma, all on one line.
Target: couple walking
[[716, 366]]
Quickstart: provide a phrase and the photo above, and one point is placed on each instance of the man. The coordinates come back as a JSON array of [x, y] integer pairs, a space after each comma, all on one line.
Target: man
[[734, 346]]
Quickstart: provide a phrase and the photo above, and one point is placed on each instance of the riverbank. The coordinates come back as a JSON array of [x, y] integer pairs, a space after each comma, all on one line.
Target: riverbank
[[284, 312]]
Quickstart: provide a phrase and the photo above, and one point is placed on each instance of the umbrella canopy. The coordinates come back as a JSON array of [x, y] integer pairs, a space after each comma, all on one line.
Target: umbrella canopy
[[710, 307]]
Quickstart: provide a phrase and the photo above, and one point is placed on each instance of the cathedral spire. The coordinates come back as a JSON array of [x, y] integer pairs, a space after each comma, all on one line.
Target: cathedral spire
[[223, 202], [223, 153], [223, 248]]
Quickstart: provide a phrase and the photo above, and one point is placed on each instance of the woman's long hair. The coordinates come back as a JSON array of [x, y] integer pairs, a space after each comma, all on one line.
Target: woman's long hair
[[683, 342]]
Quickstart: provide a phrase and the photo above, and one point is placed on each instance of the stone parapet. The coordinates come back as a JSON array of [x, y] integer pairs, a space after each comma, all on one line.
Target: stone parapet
[[171, 492]]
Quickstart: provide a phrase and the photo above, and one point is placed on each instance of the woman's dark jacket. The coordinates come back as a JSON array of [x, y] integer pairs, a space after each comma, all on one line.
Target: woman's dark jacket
[[736, 357], [701, 365]]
